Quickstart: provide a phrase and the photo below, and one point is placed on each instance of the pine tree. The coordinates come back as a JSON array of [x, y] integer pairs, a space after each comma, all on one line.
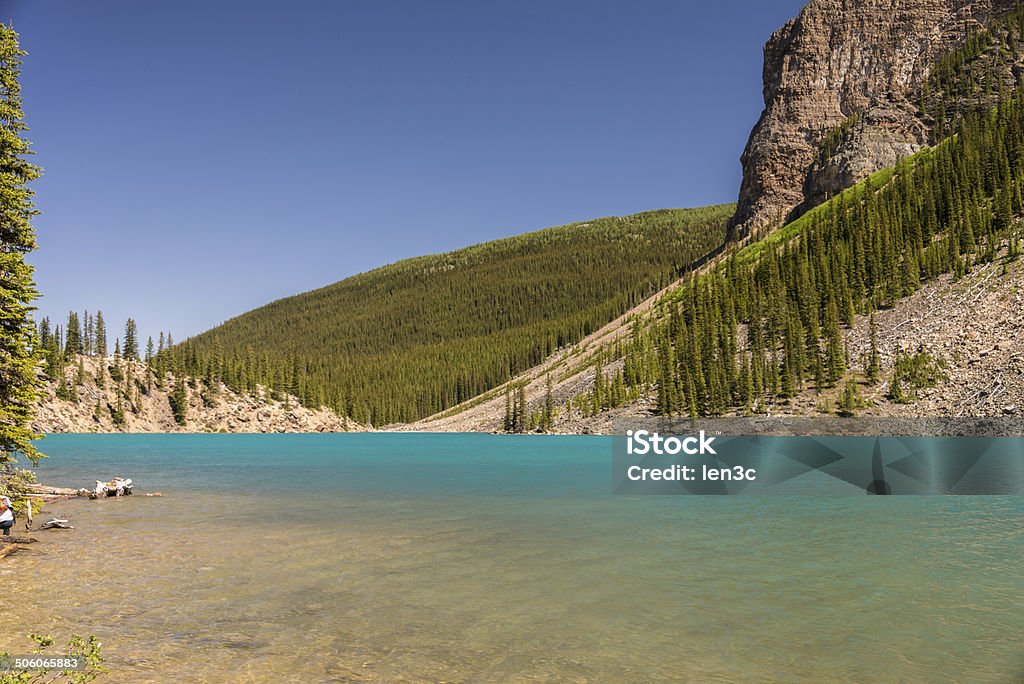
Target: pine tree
[[850, 400], [19, 355], [178, 399], [896, 394], [64, 389], [520, 409], [101, 336], [88, 334], [72, 336], [131, 340], [117, 415], [44, 333], [508, 423], [54, 356], [874, 365], [548, 419]]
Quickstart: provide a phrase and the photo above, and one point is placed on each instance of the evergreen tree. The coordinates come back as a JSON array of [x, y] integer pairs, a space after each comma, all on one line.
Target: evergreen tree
[[520, 409], [88, 335], [548, 419], [896, 394], [131, 340], [64, 390], [509, 422], [850, 400], [874, 364], [101, 336], [178, 399], [44, 333], [72, 336], [117, 414], [19, 353]]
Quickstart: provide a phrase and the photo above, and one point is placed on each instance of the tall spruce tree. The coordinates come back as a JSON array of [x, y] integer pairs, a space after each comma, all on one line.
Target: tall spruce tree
[[131, 340], [19, 352], [73, 336], [101, 335]]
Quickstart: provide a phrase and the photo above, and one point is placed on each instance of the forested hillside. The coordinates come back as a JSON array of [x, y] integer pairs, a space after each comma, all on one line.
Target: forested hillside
[[768, 322], [759, 327], [768, 327], [414, 338]]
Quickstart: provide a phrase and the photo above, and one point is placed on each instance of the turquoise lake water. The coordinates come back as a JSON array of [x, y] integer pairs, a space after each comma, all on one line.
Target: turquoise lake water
[[478, 558]]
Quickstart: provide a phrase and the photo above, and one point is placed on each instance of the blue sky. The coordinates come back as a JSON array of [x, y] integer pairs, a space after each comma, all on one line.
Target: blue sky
[[203, 158]]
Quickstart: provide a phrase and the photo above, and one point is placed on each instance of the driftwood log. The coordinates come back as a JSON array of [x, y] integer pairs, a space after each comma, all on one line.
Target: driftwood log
[[11, 539], [55, 491], [119, 486], [47, 494], [56, 524], [8, 549]]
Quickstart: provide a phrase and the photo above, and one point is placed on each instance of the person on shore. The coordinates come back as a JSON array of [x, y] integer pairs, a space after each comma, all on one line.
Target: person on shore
[[6, 515]]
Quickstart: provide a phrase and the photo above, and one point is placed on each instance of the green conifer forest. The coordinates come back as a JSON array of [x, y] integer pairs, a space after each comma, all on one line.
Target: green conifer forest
[[768, 321], [414, 338]]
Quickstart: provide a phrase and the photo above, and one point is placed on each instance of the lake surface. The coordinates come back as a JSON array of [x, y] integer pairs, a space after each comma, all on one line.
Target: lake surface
[[477, 558]]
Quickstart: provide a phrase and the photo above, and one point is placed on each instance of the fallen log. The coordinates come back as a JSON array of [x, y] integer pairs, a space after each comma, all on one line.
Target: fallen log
[[53, 491], [56, 524], [119, 486], [12, 548], [11, 539]]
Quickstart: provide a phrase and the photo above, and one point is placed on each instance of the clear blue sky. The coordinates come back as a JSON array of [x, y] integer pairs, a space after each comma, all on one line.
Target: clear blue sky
[[205, 157]]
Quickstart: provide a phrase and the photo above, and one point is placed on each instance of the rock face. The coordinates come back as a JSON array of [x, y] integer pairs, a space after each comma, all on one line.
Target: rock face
[[144, 403], [852, 63]]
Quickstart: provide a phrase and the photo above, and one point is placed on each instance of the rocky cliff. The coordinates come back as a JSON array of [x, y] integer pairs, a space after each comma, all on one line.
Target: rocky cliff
[[117, 395], [849, 67]]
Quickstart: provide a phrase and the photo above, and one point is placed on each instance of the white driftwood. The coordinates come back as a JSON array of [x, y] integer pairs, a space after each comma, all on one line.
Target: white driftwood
[[57, 524], [53, 491], [119, 486]]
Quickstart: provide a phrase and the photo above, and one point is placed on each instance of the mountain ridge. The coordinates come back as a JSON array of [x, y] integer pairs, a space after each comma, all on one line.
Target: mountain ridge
[[845, 63]]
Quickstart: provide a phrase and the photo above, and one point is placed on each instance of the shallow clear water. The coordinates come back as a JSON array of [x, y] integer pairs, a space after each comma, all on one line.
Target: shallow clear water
[[475, 558]]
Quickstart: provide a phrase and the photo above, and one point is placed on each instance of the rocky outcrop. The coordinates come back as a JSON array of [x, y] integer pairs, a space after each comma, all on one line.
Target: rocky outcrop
[[856, 64], [135, 400]]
